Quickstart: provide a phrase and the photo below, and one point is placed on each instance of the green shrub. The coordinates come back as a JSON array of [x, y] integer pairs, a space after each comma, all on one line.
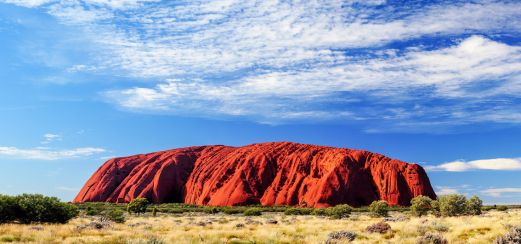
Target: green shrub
[[421, 205], [473, 206], [487, 208], [38, 208], [211, 210], [379, 208], [440, 227], [232, 210], [115, 215], [252, 212], [306, 211], [319, 212], [292, 211], [298, 211], [435, 208], [154, 212], [137, 205], [8, 209], [339, 211], [91, 211], [502, 208], [452, 205], [174, 210]]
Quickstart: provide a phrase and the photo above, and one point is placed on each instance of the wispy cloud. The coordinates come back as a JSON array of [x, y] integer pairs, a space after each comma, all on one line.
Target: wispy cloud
[[115, 4], [49, 138], [28, 3], [450, 73], [483, 164], [316, 60], [48, 154], [500, 192], [445, 190]]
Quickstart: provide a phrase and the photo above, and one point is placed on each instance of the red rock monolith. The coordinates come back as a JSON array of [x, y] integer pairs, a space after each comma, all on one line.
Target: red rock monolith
[[278, 173]]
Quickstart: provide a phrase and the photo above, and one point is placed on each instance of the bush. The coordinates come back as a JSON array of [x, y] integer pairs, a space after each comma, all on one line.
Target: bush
[[115, 215], [91, 211], [502, 208], [430, 238], [421, 205], [335, 236], [452, 205], [211, 210], [379, 209], [319, 211], [339, 211], [435, 208], [513, 236], [137, 205], [8, 209], [440, 227], [232, 210], [298, 211], [39, 208], [380, 227], [29, 208], [252, 212], [473, 206], [487, 208]]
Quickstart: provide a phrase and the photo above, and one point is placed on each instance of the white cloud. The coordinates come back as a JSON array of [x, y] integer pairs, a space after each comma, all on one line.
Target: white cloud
[[114, 4], [49, 138], [499, 192], [275, 61], [47, 154], [28, 3], [275, 35], [81, 68], [483, 164], [447, 72], [445, 190], [119, 4]]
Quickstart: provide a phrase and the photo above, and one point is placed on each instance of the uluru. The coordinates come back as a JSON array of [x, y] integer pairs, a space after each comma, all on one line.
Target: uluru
[[275, 173]]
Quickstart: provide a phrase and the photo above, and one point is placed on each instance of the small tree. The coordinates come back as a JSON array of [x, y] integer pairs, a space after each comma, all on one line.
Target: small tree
[[319, 212], [90, 211], [452, 205], [39, 208], [502, 208], [435, 208], [253, 212], [211, 210], [137, 205], [8, 209], [421, 205], [298, 211], [154, 211], [339, 211], [114, 214], [473, 205], [379, 208]]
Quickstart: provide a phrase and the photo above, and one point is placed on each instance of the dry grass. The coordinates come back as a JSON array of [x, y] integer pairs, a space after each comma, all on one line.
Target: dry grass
[[221, 228]]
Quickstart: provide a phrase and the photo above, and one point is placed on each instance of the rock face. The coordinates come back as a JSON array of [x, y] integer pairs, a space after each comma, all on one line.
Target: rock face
[[279, 173]]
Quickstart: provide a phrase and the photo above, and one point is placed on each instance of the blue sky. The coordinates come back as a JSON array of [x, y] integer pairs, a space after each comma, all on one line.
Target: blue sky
[[433, 82]]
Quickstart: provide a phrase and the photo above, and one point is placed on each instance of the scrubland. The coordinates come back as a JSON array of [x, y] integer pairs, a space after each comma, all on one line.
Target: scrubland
[[270, 227]]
